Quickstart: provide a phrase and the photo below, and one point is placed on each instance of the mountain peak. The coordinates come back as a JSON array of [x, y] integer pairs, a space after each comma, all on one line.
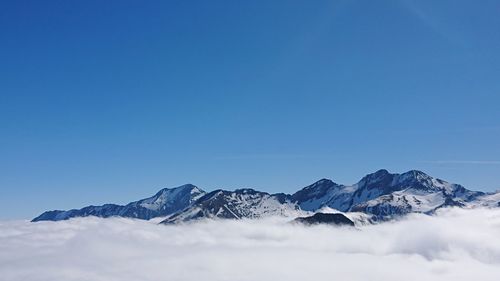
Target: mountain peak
[[180, 187], [381, 172], [416, 176], [380, 176], [322, 182], [416, 173], [311, 196]]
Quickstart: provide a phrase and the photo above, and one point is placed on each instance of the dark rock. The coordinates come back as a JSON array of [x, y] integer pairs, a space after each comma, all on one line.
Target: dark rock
[[322, 218]]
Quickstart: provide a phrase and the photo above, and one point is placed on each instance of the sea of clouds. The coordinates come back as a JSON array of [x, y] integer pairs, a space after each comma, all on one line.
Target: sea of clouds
[[454, 245]]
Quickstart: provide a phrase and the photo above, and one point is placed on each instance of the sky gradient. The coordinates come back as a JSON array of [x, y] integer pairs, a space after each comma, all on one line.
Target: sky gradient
[[107, 102]]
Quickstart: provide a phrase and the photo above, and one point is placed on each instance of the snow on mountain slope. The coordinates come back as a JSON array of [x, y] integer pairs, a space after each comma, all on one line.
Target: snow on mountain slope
[[165, 202], [383, 183], [384, 194], [104, 211], [323, 193], [241, 203], [413, 191], [168, 201], [487, 200], [401, 203]]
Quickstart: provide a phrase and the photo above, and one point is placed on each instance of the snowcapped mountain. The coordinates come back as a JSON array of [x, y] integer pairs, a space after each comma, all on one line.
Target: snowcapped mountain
[[324, 193], [377, 196], [165, 202], [383, 194], [241, 203]]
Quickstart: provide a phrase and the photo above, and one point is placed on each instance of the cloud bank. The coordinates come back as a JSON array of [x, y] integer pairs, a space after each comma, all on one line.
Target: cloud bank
[[454, 245]]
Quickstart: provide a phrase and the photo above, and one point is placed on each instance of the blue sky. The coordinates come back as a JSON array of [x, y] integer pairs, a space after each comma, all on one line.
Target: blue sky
[[108, 101]]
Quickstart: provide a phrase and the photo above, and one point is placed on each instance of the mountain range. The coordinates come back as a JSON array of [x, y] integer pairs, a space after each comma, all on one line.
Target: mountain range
[[378, 196]]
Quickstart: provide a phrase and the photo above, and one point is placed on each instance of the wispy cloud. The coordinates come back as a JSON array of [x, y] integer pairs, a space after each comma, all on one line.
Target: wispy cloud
[[264, 156], [463, 162], [433, 22]]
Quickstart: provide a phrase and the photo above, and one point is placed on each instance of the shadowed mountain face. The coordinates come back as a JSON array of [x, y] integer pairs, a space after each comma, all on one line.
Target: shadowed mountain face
[[381, 194]]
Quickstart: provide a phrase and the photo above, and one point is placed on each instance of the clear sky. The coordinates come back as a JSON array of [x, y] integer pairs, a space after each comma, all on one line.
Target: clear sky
[[109, 101]]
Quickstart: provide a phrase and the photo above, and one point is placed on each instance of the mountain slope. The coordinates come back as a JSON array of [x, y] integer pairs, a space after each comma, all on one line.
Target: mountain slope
[[383, 194], [165, 202], [487, 200], [324, 193], [414, 191], [241, 203]]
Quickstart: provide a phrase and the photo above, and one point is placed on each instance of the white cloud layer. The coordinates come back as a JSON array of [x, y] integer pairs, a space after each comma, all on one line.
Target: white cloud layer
[[455, 245]]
